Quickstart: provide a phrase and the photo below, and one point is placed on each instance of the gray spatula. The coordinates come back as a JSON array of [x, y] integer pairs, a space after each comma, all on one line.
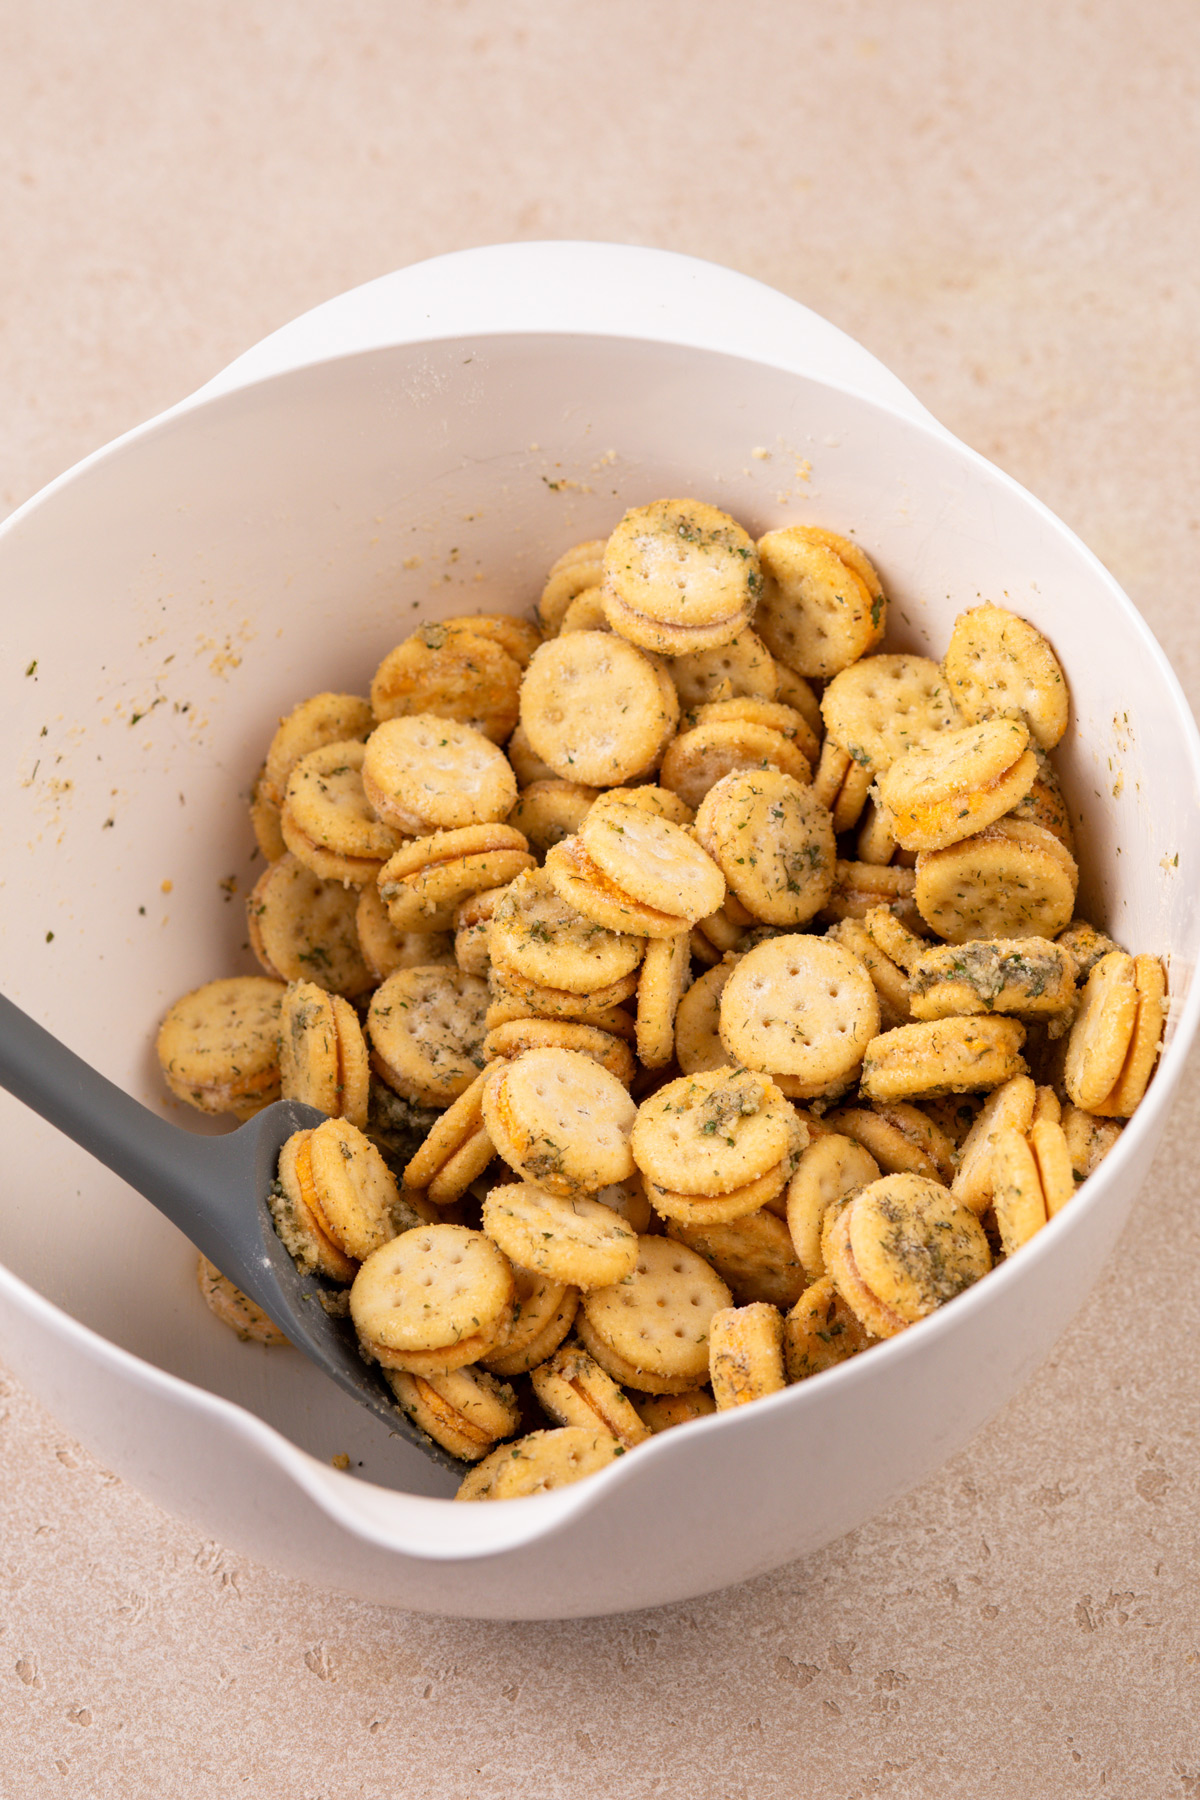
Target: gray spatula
[[214, 1188]]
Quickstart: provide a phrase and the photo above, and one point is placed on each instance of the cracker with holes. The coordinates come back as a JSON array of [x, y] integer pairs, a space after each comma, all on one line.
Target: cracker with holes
[[302, 928], [472, 931], [1014, 880], [712, 1133], [561, 1121], [823, 605], [651, 863], [821, 1331], [859, 888], [942, 1056], [427, 880], [348, 1187], [650, 1331], [515, 997], [572, 1389], [698, 1043], [745, 1354], [742, 666], [512, 1039], [773, 842], [323, 719], [466, 1411], [1145, 1043], [218, 1047], [663, 978], [830, 1170], [384, 949], [890, 981], [323, 1059], [754, 1255], [881, 707], [842, 784], [423, 774], [597, 710], [1009, 1107], [900, 1249], [902, 1139], [576, 572], [1032, 1179], [426, 1028], [775, 715], [328, 821], [697, 759], [540, 1462], [433, 1299], [801, 1007], [1028, 976], [999, 665], [1103, 1030], [297, 1217], [679, 566], [957, 783], [453, 672], [460, 1126], [543, 1313], [579, 1242], [538, 935], [546, 812]]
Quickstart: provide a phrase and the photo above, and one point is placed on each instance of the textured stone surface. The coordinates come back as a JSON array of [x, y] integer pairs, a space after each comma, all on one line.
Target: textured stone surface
[[1001, 202]]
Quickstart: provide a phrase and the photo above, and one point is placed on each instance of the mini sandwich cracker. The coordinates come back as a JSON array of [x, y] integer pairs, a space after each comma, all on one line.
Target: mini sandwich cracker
[[750, 897]]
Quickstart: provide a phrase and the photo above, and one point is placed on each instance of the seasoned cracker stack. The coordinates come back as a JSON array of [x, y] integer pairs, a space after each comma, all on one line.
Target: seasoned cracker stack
[[693, 989]]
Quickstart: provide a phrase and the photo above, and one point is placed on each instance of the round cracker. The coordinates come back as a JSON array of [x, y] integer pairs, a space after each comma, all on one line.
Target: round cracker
[[957, 783], [324, 719], [578, 1242], [697, 759], [303, 929], [594, 709], [822, 605], [539, 1463], [422, 773], [942, 1056], [745, 1354], [753, 1255], [434, 1288], [681, 563], [218, 1046], [821, 1331], [1011, 881], [656, 1320], [880, 707], [802, 1007], [711, 1133], [830, 1171], [999, 665], [538, 935], [658, 864], [561, 1121], [773, 842], [426, 1029], [454, 673], [327, 820]]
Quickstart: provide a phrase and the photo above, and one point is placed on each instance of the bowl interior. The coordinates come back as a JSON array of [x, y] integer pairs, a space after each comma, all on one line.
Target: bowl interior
[[170, 600]]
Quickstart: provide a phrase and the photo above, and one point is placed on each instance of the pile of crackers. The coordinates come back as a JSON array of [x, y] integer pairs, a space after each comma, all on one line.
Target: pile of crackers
[[694, 990]]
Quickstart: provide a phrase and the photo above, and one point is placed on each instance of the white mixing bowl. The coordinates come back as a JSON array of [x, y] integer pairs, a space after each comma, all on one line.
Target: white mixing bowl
[[428, 444]]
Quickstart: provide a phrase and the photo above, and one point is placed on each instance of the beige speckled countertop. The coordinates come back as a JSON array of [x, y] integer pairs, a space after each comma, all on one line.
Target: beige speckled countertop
[[1002, 202]]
